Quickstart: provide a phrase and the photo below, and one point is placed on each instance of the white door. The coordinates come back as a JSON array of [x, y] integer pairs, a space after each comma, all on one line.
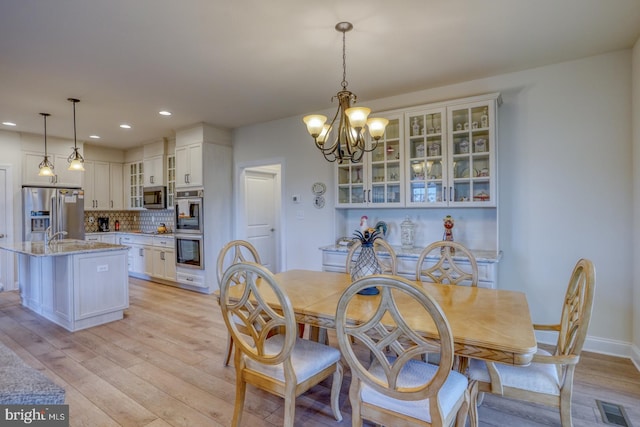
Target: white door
[[261, 198], [6, 226]]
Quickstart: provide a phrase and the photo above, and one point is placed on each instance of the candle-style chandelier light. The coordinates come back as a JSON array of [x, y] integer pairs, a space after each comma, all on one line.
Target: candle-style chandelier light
[[350, 142], [75, 159], [45, 167]]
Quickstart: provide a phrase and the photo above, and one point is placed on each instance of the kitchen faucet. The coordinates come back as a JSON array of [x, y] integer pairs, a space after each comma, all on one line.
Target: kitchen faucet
[[48, 237]]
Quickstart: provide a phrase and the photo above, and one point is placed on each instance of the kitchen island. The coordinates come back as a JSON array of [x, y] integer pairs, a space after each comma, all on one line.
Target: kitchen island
[[73, 283]]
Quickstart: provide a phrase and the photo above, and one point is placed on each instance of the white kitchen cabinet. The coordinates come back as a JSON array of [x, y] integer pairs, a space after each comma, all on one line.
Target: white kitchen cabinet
[[116, 186], [151, 257], [164, 263], [101, 237], [171, 181], [96, 185], [154, 171], [62, 178], [134, 183], [189, 164], [334, 258], [377, 180]]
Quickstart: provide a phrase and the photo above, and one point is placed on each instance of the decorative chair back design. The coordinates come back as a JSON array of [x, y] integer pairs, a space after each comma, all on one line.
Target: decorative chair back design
[[395, 348], [269, 354], [451, 266], [576, 311], [549, 378], [389, 266], [258, 321], [232, 253]]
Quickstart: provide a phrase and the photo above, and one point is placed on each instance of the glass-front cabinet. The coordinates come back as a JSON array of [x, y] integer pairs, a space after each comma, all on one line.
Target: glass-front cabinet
[[451, 155], [472, 164], [426, 154], [377, 179]]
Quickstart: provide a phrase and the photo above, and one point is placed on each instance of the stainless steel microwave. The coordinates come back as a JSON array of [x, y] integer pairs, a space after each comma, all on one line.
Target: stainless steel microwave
[[154, 197]]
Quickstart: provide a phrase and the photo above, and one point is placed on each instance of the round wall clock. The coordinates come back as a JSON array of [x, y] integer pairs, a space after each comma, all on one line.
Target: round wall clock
[[318, 188]]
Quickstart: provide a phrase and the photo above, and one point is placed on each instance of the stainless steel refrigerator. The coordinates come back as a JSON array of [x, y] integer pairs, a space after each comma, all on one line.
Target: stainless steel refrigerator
[[60, 208]]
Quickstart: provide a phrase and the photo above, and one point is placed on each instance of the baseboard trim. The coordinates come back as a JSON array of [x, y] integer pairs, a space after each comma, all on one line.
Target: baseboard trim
[[599, 345]]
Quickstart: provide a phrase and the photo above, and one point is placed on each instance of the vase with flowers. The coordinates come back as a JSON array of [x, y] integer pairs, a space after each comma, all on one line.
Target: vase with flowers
[[367, 262]]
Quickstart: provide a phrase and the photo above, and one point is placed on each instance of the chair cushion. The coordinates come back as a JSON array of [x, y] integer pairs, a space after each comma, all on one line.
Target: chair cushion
[[537, 377], [308, 358], [415, 373]]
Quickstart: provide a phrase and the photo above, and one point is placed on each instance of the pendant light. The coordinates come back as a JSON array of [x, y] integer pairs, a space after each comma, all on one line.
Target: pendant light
[[349, 142], [76, 161], [46, 167]]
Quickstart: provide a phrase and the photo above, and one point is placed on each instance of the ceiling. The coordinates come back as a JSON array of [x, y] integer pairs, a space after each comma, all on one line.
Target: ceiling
[[237, 62]]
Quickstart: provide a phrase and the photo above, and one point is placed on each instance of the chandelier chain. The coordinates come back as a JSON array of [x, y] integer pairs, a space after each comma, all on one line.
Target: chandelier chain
[[344, 61]]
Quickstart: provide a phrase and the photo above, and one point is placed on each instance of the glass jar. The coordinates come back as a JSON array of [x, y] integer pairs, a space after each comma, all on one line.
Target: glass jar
[[407, 233], [464, 146]]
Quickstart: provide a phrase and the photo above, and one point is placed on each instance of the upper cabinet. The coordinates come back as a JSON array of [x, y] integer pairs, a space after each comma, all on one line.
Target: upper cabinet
[[62, 178], [96, 185], [154, 171], [434, 155], [377, 179], [189, 163], [171, 180], [134, 182]]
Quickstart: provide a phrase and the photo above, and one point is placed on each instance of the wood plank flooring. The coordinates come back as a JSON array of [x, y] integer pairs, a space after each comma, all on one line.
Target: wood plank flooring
[[162, 366]]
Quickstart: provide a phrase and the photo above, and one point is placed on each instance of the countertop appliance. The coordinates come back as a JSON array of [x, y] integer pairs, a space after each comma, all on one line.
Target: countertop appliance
[[62, 209], [154, 197], [103, 223]]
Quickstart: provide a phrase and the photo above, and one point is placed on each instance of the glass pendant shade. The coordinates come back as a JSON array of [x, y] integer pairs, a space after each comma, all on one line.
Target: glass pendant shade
[[358, 116], [376, 127], [75, 159], [45, 166], [315, 124]]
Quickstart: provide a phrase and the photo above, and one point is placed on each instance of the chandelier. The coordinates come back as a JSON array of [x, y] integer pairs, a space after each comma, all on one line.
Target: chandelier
[[349, 143], [45, 166], [75, 159]]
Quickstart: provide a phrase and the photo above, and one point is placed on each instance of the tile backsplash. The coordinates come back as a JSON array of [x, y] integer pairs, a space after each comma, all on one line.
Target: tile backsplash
[[147, 220]]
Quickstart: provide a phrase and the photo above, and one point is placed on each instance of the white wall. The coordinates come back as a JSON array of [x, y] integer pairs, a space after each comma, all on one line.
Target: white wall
[[565, 184], [636, 199]]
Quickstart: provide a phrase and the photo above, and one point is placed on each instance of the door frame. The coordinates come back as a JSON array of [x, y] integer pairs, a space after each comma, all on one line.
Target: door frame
[[272, 166], [9, 214]]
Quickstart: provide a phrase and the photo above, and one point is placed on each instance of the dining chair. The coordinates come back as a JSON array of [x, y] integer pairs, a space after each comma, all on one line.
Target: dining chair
[[381, 248], [455, 264], [232, 253], [396, 388], [548, 379], [271, 356]]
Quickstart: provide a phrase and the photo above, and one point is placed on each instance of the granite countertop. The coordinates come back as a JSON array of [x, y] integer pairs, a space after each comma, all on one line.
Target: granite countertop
[[60, 247], [481, 255], [143, 233]]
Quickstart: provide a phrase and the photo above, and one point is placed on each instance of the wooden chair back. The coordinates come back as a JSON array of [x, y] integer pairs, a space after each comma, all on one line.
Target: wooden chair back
[[389, 266], [234, 252], [251, 320], [451, 265], [395, 335]]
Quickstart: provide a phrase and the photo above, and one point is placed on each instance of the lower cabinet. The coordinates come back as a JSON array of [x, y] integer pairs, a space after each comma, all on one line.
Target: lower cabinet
[[334, 258], [150, 257]]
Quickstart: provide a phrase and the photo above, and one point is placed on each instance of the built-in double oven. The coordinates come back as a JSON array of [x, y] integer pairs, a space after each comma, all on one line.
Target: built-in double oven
[[189, 229]]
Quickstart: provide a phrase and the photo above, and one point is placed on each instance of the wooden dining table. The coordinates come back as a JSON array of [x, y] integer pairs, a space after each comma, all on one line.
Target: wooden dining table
[[487, 324]]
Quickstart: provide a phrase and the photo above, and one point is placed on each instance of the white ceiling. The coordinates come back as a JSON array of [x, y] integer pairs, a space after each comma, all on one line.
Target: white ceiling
[[236, 62]]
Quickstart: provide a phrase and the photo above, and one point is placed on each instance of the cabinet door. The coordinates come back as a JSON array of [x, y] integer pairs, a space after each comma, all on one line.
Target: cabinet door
[[134, 175], [377, 179], [147, 260], [472, 162], [30, 170], [182, 166], [426, 158], [196, 162], [154, 171], [386, 167], [116, 186], [137, 254], [101, 185], [171, 180], [170, 264], [88, 185], [65, 177]]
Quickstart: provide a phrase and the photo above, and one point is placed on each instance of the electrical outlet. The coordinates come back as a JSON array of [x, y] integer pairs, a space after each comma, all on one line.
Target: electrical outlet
[[91, 220]]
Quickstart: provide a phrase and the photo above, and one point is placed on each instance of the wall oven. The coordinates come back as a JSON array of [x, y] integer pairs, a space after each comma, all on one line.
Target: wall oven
[[189, 217], [189, 251]]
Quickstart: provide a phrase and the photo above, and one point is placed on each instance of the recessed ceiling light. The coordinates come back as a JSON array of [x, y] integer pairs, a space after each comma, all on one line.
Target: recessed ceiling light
[[125, 126], [8, 123], [94, 136], [164, 113]]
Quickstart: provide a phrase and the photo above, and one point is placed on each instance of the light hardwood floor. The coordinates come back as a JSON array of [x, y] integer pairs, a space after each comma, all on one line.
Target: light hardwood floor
[[162, 366]]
